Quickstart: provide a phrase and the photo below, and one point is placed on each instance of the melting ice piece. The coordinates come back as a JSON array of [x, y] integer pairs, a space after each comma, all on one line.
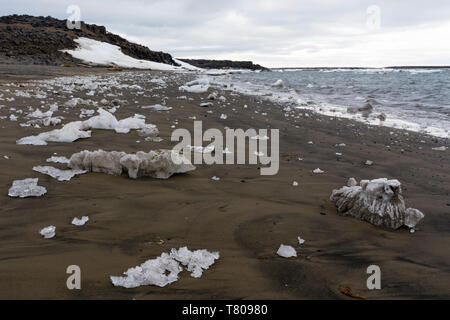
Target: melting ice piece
[[157, 107], [160, 164], [48, 232], [26, 188], [159, 272], [60, 175], [286, 251], [215, 178], [196, 261], [165, 269], [295, 183], [377, 201], [80, 222], [58, 160], [300, 240], [318, 171], [223, 116]]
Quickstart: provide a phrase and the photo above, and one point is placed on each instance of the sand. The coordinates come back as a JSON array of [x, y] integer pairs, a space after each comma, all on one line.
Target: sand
[[244, 216]]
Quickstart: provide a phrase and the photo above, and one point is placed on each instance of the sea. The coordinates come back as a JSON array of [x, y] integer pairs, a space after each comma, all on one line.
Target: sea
[[412, 99]]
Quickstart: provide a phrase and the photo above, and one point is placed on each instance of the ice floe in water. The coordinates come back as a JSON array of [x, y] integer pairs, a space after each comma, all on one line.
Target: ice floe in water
[[73, 131], [60, 175], [164, 269], [196, 86], [155, 164], [26, 188], [286, 251], [48, 232], [377, 201], [80, 222]]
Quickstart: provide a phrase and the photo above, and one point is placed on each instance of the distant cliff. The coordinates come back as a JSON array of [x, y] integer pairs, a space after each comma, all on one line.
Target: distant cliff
[[38, 40], [223, 64]]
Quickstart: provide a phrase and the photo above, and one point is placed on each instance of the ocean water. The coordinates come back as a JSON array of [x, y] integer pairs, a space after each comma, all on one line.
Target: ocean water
[[412, 99]]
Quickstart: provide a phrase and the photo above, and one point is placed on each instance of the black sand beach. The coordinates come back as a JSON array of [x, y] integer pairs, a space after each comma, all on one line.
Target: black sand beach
[[244, 216]]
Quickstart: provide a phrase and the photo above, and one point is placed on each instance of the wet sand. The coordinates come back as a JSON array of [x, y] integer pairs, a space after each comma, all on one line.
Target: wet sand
[[244, 216]]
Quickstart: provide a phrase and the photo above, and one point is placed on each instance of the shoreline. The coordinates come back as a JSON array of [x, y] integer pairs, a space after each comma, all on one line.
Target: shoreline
[[244, 216]]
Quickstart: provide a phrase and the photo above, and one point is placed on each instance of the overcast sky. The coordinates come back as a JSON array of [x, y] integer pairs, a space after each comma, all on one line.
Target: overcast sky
[[274, 33]]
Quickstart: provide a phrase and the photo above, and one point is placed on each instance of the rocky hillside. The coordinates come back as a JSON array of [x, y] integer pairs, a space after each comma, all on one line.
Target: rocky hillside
[[223, 64], [37, 40]]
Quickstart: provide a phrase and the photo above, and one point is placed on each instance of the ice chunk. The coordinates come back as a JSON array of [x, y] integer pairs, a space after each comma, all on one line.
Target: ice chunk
[[60, 175], [295, 183], [300, 240], [97, 161], [412, 217], [159, 272], [196, 261], [80, 222], [155, 164], [215, 178], [223, 116], [318, 170], [26, 188], [377, 201], [48, 232], [58, 159], [157, 107], [286, 251]]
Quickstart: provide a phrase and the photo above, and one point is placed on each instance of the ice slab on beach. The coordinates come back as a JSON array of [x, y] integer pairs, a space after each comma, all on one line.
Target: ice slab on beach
[[156, 164], [48, 232], [157, 107], [26, 188], [286, 251], [165, 269], [80, 222], [60, 175]]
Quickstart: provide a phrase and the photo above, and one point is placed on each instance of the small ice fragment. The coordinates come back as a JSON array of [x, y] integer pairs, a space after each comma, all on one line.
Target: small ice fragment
[[215, 178], [443, 148], [295, 183], [80, 222], [6, 157], [310, 142], [58, 160], [48, 232], [318, 171], [369, 163], [223, 116], [206, 104], [286, 251], [300, 240], [26, 188]]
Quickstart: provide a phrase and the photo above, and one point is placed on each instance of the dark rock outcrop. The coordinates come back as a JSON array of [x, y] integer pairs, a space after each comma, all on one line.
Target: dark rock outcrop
[[223, 64], [38, 40]]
